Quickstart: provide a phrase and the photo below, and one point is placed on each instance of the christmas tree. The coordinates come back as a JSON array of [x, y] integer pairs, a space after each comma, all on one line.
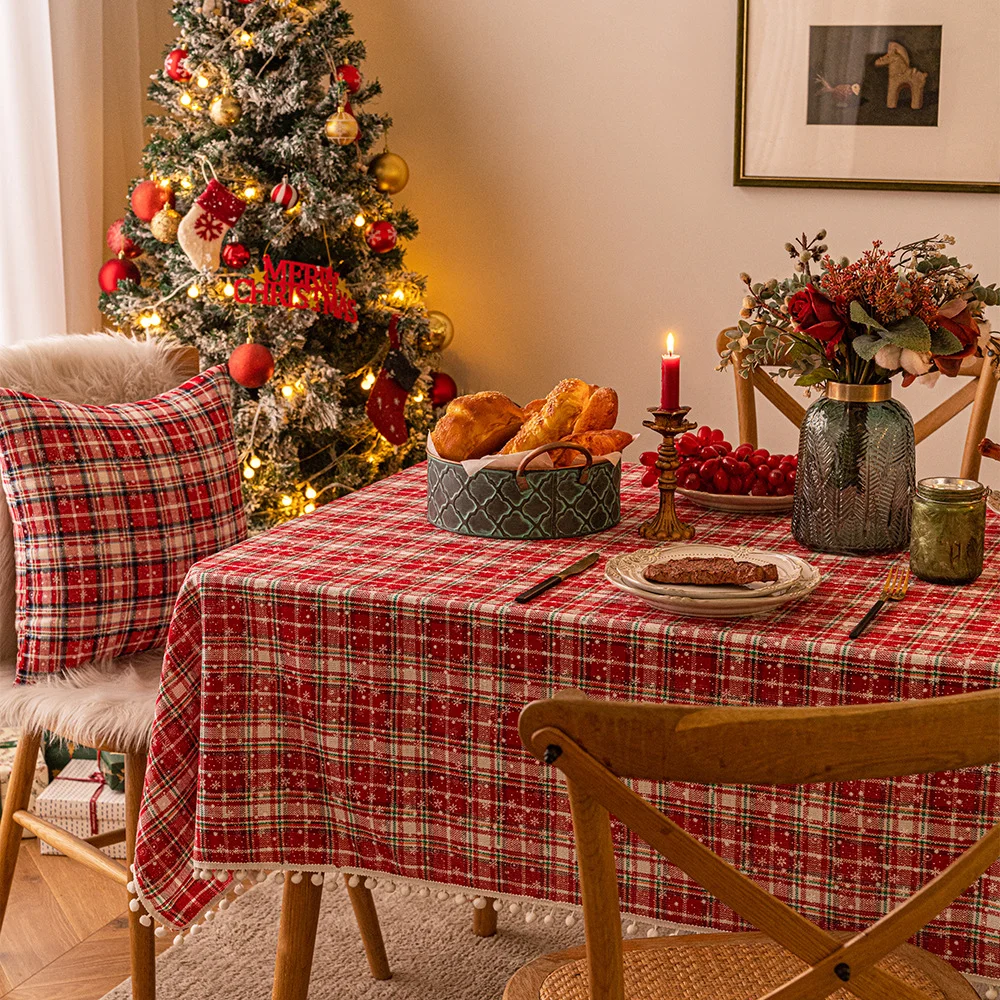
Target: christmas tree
[[267, 238]]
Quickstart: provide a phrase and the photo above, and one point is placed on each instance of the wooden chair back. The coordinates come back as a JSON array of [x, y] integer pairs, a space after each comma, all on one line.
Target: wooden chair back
[[977, 392], [596, 743]]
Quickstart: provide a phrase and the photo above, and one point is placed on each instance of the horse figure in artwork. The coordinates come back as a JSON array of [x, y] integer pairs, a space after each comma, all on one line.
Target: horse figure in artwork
[[902, 75]]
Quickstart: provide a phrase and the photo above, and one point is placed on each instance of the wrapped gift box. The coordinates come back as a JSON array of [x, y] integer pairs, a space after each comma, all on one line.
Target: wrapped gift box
[[8, 748], [81, 803]]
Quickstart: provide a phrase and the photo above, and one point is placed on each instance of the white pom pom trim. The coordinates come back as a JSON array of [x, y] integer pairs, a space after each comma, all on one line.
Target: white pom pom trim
[[296, 878], [134, 905], [146, 920], [160, 932], [317, 878]]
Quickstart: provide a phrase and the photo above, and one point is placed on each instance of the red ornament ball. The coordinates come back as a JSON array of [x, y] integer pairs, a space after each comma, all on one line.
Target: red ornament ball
[[351, 75], [443, 389], [285, 195], [174, 66], [235, 255], [120, 244], [117, 270], [381, 236], [251, 365], [148, 198]]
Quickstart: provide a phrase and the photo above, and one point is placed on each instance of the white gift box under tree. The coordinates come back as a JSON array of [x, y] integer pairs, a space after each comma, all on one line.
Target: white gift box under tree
[[80, 802]]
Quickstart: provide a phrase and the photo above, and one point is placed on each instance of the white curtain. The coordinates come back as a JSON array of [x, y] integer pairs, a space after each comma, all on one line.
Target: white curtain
[[72, 90]]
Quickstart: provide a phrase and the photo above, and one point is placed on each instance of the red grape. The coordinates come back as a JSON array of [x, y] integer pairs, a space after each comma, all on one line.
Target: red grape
[[774, 461], [759, 489], [763, 470], [776, 478], [649, 477], [721, 481], [783, 491], [725, 446], [709, 468], [648, 458], [743, 469], [710, 451], [705, 435], [735, 484], [685, 469], [760, 455], [687, 444], [743, 452], [717, 437], [729, 463], [692, 482], [790, 477]]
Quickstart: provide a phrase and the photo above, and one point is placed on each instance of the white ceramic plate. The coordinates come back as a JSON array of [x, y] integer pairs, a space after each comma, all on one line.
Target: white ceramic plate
[[738, 503], [688, 607], [632, 564]]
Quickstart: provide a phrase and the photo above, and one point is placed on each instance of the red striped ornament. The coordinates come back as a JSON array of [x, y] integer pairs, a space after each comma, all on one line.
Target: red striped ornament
[[285, 195]]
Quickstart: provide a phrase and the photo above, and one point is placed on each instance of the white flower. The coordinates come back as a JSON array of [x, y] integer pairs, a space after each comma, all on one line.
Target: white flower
[[929, 380], [915, 362], [887, 357]]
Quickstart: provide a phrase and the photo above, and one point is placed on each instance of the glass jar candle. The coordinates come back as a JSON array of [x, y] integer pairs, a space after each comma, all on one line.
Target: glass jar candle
[[948, 530]]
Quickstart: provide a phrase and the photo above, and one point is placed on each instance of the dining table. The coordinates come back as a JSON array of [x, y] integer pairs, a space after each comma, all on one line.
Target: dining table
[[341, 694]]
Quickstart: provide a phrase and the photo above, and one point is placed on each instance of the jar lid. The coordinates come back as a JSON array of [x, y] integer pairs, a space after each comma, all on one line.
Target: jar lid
[[944, 489]]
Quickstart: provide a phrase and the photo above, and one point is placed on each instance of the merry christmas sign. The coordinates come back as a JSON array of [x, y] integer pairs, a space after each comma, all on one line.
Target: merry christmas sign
[[293, 285]]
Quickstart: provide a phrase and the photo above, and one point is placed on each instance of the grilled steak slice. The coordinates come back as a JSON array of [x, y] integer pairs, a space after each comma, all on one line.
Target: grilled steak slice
[[710, 570]]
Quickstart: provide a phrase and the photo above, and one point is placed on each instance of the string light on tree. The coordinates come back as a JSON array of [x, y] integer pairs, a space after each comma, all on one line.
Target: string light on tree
[[368, 381]]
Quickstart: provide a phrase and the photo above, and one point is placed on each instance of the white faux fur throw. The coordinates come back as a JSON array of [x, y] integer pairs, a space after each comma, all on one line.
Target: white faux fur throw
[[110, 705], [98, 368]]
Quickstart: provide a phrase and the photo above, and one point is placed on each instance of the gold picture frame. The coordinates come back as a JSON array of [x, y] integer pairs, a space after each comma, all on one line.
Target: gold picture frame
[[742, 178]]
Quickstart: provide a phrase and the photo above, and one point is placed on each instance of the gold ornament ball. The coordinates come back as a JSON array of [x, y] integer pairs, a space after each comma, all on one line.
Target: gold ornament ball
[[390, 172], [164, 224], [441, 330], [225, 110], [341, 128]]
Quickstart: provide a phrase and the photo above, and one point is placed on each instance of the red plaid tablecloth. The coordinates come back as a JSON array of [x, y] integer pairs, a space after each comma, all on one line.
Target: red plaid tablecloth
[[342, 693]]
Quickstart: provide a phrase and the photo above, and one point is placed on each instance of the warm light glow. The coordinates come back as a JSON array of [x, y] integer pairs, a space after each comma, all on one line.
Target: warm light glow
[[368, 381], [309, 508], [372, 459], [144, 321], [246, 38], [398, 295], [287, 390], [185, 182], [359, 220], [418, 398], [286, 501], [670, 343], [249, 191], [255, 462], [203, 81], [248, 473], [229, 290], [185, 98], [194, 292], [165, 183], [310, 493], [155, 320]]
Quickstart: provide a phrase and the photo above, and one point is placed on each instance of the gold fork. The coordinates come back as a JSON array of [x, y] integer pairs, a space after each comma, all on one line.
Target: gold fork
[[897, 582]]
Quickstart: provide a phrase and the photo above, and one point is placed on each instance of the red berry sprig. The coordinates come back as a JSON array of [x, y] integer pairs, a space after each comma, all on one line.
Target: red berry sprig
[[711, 464]]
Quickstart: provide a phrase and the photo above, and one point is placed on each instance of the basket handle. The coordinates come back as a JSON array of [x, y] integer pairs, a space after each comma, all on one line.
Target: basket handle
[[522, 479]]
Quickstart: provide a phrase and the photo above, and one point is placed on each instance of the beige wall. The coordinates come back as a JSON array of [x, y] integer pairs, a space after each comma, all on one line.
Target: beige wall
[[571, 169]]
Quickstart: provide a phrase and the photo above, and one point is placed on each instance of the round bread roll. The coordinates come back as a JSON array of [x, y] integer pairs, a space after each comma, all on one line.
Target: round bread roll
[[600, 413], [554, 420], [476, 425], [533, 407]]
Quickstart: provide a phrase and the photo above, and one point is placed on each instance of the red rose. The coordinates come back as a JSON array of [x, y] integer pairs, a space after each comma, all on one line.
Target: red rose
[[817, 317], [964, 327]]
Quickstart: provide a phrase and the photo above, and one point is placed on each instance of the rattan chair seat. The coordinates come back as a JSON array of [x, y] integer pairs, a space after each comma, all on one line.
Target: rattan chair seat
[[734, 966]]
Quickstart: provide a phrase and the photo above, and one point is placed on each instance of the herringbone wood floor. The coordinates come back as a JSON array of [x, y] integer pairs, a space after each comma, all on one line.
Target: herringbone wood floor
[[65, 935]]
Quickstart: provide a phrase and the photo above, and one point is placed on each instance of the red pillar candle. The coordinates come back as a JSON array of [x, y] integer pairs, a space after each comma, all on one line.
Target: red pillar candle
[[670, 378]]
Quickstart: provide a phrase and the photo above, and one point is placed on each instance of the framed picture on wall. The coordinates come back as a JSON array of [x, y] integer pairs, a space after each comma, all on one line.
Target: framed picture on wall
[[896, 94]]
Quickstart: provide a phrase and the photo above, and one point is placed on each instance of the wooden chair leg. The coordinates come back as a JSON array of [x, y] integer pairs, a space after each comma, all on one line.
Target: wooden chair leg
[[296, 938], [141, 940], [484, 921], [22, 776], [371, 933], [978, 420]]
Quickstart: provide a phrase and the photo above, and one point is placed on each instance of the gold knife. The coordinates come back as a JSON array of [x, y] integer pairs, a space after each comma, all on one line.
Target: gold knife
[[578, 567]]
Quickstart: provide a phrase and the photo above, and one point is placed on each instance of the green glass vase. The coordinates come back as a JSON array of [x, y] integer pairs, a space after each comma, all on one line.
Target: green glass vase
[[856, 472]]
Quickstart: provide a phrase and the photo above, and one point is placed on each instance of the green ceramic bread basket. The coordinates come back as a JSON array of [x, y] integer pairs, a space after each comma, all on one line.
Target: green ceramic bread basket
[[540, 503]]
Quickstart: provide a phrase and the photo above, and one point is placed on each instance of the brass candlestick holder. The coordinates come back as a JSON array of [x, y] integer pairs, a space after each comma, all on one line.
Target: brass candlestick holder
[[665, 525]]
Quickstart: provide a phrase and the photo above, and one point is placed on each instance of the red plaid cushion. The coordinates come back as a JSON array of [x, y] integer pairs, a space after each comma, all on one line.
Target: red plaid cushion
[[111, 505]]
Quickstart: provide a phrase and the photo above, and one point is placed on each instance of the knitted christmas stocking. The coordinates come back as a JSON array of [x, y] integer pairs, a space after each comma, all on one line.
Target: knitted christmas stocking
[[203, 229]]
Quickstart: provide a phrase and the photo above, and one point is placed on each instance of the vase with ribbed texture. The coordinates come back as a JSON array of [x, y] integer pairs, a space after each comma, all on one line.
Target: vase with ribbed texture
[[856, 472]]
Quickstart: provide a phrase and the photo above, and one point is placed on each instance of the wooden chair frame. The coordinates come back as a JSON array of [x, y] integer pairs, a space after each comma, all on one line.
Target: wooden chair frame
[[594, 744], [978, 392]]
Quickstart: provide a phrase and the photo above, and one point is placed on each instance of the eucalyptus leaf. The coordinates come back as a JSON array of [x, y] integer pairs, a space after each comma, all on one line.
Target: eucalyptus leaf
[[814, 377], [910, 332], [944, 341], [867, 346], [858, 315]]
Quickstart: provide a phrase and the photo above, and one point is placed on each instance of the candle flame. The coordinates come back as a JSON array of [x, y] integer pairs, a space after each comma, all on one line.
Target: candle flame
[[670, 343]]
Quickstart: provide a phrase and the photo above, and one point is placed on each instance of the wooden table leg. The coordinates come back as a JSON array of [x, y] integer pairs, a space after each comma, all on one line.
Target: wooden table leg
[[371, 933], [142, 944], [484, 921], [296, 938]]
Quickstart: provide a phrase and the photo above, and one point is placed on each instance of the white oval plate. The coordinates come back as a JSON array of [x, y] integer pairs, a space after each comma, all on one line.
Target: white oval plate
[[631, 565], [691, 608], [738, 502]]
